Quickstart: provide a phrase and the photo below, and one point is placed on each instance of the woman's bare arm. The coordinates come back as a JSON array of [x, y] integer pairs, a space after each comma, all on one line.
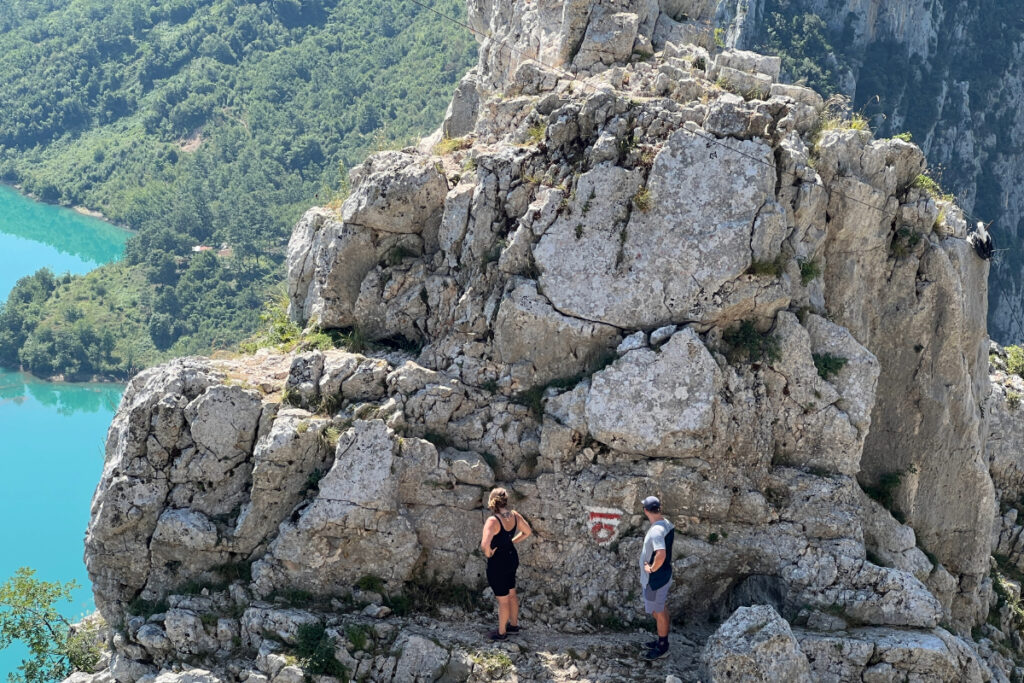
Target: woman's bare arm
[[490, 528], [524, 529]]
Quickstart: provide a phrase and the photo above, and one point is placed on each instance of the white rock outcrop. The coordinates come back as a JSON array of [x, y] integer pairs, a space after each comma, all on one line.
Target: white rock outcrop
[[755, 644], [627, 282]]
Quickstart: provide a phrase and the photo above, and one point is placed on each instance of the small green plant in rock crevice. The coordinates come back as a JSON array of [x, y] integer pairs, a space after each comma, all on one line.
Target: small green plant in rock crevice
[[358, 635], [773, 268], [141, 607], [330, 436], [1006, 584], [884, 492], [931, 187], [533, 398], [827, 364], [493, 662], [1013, 400], [313, 481], [809, 269], [535, 133], [643, 200], [371, 582], [315, 651], [355, 340], [449, 145], [1015, 360], [234, 571], [747, 345], [292, 597], [397, 254], [586, 205], [903, 242]]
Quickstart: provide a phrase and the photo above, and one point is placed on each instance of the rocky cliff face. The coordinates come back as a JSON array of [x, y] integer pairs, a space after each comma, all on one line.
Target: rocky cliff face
[[631, 267], [950, 72]]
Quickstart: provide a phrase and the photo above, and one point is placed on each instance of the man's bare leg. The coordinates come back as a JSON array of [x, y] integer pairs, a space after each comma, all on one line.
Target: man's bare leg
[[662, 620]]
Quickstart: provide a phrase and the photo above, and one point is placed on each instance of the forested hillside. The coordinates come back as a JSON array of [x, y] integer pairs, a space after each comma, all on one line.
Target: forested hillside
[[197, 122]]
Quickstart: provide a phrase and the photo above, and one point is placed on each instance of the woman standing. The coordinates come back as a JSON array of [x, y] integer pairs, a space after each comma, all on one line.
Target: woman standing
[[502, 530]]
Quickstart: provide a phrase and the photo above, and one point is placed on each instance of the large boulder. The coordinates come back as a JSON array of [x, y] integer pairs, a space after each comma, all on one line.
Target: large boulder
[[754, 644], [540, 344], [642, 256], [327, 261], [422, 660], [882, 655], [352, 527], [660, 403], [395, 192]]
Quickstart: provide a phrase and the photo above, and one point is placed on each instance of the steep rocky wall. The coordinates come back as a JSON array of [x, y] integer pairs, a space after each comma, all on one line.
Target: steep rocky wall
[[629, 281], [950, 72]]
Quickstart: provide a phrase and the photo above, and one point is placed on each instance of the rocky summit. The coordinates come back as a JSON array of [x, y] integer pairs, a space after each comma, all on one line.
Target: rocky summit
[[623, 266]]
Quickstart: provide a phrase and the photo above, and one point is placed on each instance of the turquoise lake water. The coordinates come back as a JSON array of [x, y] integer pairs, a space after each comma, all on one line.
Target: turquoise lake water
[[51, 434]]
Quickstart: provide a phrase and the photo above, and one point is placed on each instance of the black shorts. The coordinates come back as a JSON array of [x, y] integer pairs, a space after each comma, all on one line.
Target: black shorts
[[501, 572]]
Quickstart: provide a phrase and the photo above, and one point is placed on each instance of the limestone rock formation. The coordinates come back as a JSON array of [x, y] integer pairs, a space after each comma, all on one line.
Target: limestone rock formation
[[627, 280], [755, 644], [945, 71]]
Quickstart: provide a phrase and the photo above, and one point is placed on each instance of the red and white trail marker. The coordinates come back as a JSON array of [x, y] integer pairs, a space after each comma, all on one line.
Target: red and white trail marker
[[603, 524]]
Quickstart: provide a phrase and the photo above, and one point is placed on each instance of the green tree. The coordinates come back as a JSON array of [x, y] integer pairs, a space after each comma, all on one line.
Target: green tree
[[28, 614], [198, 122]]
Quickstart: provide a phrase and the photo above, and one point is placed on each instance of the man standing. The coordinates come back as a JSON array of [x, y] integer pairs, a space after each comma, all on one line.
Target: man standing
[[656, 574]]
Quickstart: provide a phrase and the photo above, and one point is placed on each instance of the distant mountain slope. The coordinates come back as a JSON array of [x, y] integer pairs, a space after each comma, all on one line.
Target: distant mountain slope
[[209, 122]]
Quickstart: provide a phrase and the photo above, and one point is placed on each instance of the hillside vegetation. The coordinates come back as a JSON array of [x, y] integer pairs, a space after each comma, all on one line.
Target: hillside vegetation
[[198, 122]]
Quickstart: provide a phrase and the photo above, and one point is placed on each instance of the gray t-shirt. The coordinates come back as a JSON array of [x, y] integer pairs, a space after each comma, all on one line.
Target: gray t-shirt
[[653, 541]]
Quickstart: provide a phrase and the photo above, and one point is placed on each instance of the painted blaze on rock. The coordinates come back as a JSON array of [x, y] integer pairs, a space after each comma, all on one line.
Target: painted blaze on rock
[[603, 524]]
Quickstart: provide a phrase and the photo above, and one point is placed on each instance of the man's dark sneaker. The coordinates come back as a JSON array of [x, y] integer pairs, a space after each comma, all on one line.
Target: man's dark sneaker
[[509, 628], [494, 635], [649, 645], [656, 653]]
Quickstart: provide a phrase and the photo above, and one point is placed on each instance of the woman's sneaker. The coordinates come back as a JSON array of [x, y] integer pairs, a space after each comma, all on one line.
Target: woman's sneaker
[[494, 635], [509, 628]]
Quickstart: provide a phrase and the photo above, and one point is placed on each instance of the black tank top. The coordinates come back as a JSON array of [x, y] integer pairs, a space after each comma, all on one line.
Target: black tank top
[[501, 542]]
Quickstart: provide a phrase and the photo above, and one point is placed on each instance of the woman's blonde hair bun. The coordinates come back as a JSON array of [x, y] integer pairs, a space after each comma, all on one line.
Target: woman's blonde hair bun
[[497, 500]]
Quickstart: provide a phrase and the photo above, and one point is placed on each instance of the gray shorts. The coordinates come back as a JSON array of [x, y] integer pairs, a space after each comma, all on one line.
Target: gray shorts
[[654, 600]]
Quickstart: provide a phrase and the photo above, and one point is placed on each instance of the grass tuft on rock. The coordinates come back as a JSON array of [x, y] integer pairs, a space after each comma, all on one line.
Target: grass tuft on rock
[[371, 582], [643, 200], [809, 269], [884, 492], [315, 650], [747, 345], [449, 145], [931, 187], [828, 365], [774, 268], [1015, 360]]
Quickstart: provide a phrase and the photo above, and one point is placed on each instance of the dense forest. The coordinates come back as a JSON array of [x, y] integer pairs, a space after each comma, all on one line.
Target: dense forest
[[802, 41], [197, 122]]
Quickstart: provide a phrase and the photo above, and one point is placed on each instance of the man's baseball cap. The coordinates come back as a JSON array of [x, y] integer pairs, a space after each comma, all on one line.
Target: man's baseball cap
[[652, 504]]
